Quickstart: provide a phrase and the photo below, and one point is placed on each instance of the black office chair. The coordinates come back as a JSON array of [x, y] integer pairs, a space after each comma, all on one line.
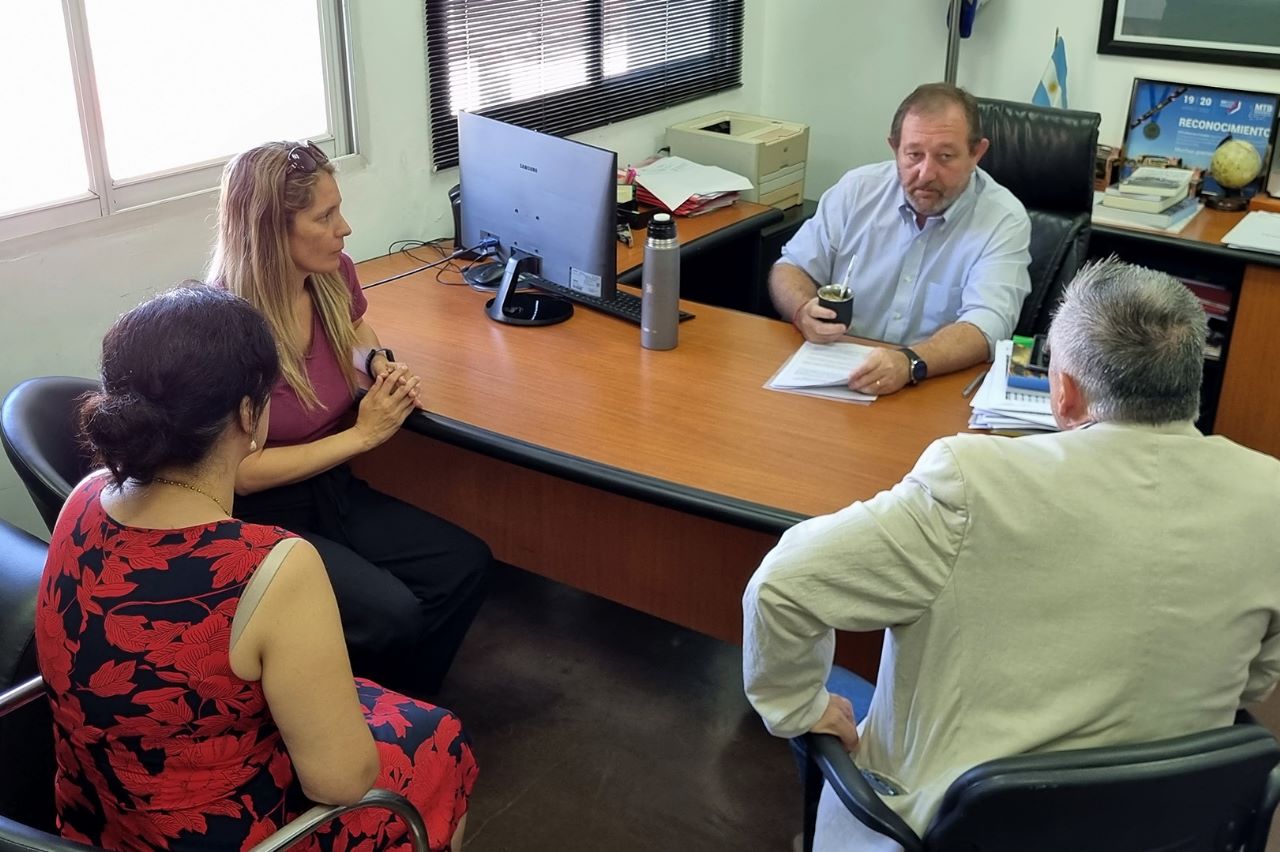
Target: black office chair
[[26, 725], [38, 430], [1045, 157], [24, 735], [1212, 790]]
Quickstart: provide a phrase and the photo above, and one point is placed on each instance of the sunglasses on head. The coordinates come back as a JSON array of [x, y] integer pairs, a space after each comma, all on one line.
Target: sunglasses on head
[[306, 158]]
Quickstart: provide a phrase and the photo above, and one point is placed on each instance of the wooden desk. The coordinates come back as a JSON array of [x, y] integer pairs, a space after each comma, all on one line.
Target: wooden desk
[[655, 479], [1248, 408]]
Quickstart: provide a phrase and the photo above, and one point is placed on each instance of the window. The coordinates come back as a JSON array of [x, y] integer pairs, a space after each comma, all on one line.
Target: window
[[125, 104], [563, 66]]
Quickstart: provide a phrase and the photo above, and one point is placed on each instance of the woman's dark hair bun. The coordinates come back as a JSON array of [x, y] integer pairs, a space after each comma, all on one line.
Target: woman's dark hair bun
[[174, 371], [129, 433]]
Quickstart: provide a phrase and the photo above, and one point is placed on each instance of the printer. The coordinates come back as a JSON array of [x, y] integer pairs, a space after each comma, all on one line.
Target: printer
[[768, 152]]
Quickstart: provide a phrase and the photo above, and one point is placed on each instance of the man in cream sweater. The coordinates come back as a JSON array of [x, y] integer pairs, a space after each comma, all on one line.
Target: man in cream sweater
[[1116, 582]]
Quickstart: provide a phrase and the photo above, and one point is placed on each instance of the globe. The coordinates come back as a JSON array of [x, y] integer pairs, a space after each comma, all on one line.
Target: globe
[[1235, 164]]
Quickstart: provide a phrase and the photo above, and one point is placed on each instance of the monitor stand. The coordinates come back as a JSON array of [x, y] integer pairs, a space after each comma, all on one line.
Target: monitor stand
[[524, 308]]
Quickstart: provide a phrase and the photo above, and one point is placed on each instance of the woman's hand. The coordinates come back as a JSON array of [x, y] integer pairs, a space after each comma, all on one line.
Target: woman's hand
[[392, 396], [381, 367], [379, 364]]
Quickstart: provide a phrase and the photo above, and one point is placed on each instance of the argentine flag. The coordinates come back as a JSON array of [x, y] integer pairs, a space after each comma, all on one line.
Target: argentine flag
[[1052, 89]]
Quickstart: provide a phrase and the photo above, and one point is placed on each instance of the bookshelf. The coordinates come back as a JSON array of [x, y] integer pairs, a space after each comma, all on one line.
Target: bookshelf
[[1240, 398]]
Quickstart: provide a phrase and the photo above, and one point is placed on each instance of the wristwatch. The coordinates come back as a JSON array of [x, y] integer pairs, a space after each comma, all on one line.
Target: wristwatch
[[373, 353], [917, 369]]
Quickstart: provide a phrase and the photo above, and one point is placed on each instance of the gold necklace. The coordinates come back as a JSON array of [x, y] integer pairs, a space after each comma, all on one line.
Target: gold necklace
[[191, 487]]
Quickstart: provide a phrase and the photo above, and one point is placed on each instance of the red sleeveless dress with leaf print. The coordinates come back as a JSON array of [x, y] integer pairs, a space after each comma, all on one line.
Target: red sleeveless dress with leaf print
[[159, 745]]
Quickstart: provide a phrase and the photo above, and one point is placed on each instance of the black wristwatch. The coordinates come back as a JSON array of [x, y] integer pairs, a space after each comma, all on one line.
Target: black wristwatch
[[917, 369], [368, 360]]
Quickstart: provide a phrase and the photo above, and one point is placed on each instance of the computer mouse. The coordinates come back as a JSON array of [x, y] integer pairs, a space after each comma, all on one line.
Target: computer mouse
[[485, 274]]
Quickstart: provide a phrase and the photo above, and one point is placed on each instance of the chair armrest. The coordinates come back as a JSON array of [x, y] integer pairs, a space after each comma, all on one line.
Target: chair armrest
[[16, 835], [305, 824], [310, 821], [857, 795], [22, 694]]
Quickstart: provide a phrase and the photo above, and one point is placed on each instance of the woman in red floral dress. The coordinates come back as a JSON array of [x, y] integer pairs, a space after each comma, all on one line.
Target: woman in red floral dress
[[201, 690]]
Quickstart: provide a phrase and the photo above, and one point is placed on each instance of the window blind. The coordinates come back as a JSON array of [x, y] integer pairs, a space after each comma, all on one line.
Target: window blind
[[564, 66]]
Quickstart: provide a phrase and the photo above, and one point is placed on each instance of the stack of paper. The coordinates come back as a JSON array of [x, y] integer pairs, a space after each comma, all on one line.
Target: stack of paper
[[687, 188], [822, 369], [694, 205], [998, 406]]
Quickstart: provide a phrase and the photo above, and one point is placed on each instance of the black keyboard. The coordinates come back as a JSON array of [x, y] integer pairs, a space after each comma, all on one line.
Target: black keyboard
[[622, 305]]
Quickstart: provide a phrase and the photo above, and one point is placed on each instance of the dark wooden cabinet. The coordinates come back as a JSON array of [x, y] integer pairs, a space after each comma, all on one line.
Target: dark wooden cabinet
[[772, 239], [1240, 399]]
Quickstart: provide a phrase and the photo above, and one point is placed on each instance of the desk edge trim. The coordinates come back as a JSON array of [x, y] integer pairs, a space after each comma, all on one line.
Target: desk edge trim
[[694, 501]]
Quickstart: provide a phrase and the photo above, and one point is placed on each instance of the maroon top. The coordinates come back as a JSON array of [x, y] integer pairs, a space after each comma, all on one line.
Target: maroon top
[[292, 422]]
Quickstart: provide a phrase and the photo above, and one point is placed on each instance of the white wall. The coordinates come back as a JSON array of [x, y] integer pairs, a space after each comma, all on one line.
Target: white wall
[[1011, 44], [842, 68], [62, 289]]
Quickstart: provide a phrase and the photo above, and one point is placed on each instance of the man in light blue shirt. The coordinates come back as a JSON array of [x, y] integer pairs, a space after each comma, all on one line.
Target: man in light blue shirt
[[934, 250]]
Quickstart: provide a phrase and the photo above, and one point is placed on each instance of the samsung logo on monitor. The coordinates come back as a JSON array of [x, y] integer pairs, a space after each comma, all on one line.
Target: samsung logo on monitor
[[528, 168]]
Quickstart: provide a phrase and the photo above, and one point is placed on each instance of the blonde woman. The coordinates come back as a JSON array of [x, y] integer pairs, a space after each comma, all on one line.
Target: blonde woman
[[408, 583]]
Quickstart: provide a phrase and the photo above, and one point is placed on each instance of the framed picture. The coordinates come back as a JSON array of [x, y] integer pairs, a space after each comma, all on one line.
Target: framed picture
[[1182, 124], [1224, 32]]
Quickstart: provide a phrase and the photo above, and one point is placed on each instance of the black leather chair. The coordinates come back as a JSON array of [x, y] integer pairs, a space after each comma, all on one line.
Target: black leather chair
[[26, 725], [24, 735], [38, 430], [1212, 790], [1045, 157]]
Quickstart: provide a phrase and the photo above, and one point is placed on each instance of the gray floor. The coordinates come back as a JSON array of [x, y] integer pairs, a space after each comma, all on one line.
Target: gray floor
[[599, 728]]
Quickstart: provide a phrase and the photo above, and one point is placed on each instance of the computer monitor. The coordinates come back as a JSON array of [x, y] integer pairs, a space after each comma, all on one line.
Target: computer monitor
[[551, 205]]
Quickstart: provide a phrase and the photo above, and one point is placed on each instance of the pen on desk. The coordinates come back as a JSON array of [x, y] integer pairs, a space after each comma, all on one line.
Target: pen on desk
[[969, 388]]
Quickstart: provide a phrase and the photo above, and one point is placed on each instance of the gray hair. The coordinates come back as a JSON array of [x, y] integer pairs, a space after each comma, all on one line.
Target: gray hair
[[1133, 338]]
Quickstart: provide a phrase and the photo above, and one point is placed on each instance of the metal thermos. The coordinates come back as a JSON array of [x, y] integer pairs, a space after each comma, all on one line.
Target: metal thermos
[[660, 280]]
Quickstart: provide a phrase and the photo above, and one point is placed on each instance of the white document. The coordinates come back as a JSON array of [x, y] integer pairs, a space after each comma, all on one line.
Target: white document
[[1258, 230], [674, 180], [822, 369]]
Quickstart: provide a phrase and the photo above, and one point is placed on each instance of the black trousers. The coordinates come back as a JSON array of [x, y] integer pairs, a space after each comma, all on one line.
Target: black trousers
[[408, 583]]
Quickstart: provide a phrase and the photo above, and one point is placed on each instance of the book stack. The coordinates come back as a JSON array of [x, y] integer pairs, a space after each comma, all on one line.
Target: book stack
[[1151, 197]]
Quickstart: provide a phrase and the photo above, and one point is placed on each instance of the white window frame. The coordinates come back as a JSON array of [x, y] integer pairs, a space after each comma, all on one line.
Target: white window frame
[[107, 196]]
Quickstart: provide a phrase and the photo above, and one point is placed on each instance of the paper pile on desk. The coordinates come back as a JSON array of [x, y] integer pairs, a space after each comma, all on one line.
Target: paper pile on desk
[[822, 369], [687, 188], [998, 406], [1257, 231]]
